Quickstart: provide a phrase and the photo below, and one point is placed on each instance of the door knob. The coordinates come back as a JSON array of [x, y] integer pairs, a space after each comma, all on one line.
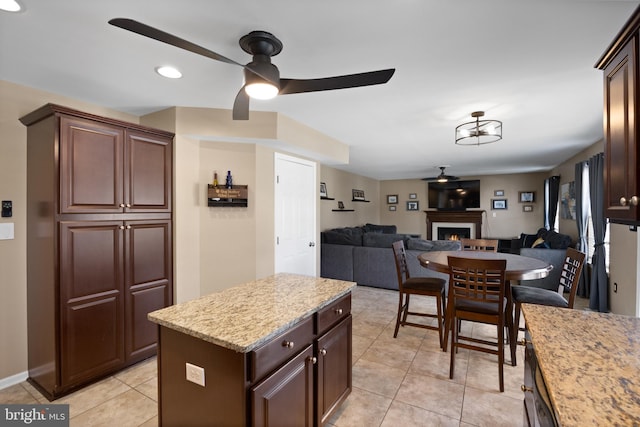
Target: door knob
[[312, 244]]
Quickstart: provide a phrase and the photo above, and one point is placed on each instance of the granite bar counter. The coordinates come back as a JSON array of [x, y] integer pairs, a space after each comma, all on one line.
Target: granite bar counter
[[273, 351], [590, 363]]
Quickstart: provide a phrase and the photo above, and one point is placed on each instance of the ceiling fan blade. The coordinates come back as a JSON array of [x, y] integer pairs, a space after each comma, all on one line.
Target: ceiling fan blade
[[288, 86], [241, 106], [159, 35]]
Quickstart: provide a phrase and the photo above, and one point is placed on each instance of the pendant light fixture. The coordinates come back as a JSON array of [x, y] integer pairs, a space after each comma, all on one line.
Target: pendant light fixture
[[479, 132]]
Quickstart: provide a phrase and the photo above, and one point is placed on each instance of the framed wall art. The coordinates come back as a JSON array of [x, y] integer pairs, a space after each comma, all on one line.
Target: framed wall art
[[323, 189], [413, 196], [412, 205], [392, 208], [357, 195], [498, 204], [526, 196], [498, 193], [392, 199], [527, 208]]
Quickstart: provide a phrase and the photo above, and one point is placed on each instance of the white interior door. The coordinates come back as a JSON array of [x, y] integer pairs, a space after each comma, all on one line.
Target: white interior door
[[295, 214]]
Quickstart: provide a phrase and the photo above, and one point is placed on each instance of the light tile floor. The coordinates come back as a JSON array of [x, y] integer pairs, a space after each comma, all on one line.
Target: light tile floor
[[396, 382]]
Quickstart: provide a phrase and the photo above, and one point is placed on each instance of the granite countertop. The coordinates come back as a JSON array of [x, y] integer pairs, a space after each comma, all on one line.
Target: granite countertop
[[590, 363], [243, 317]]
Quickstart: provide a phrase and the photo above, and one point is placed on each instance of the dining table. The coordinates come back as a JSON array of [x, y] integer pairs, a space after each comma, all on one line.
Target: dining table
[[518, 268]]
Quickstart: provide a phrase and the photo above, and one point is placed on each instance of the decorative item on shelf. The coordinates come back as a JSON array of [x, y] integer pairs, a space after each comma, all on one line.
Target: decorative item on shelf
[[323, 192], [527, 208], [527, 196], [340, 205], [215, 178], [358, 196], [498, 203], [498, 193], [479, 132], [229, 182], [341, 208], [412, 205], [392, 199]]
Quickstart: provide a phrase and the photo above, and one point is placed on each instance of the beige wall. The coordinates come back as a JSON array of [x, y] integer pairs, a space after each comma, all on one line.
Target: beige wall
[[495, 223]]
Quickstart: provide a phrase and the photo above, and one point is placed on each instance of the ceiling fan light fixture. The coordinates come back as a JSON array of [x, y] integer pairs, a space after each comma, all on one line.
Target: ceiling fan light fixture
[[169, 72], [10, 6], [261, 90], [479, 132]]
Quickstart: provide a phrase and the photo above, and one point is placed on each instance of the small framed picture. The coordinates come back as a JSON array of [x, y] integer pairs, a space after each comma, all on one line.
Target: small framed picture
[[527, 208], [340, 205], [392, 199], [413, 196], [357, 194], [498, 193], [412, 205], [526, 196], [498, 203], [323, 189], [392, 207]]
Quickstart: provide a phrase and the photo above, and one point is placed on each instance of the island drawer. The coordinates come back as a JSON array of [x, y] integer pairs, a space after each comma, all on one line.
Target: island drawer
[[280, 349], [333, 313]]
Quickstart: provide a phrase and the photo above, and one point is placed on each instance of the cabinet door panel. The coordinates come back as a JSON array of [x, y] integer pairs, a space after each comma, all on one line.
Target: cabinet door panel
[[620, 134], [334, 368], [285, 398], [148, 282], [149, 176], [90, 166], [91, 300]]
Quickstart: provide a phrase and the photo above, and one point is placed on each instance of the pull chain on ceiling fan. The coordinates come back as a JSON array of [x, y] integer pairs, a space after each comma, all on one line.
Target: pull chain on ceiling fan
[[262, 78]]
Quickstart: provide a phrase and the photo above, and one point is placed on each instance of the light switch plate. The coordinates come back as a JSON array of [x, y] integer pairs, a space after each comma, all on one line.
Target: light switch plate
[[6, 231]]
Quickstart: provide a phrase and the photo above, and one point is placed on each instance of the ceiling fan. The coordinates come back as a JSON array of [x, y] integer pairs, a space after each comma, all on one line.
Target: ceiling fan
[[260, 73], [442, 177]]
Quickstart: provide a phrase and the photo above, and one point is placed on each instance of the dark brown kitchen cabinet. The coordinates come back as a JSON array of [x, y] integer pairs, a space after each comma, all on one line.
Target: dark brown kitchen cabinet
[[621, 130], [99, 244], [297, 378]]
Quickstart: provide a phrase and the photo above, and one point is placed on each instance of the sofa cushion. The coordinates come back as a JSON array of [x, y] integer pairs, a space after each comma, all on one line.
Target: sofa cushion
[[382, 240], [385, 229], [419, 245], [343, 236]]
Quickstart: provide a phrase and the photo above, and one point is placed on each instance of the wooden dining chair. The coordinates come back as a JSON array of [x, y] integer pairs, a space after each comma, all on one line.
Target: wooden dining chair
[[426, 286], [489, 245], [569, 278], [477, 290]]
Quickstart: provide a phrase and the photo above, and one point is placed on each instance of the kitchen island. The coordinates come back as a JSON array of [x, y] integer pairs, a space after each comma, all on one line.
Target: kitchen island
[[583, 366], [274, 351]]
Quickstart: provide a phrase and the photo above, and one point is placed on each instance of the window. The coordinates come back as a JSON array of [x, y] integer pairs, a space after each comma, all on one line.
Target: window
[[586, 202]]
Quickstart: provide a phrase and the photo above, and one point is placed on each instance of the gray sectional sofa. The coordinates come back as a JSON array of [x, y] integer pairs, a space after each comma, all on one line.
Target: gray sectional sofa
[[364, 254]]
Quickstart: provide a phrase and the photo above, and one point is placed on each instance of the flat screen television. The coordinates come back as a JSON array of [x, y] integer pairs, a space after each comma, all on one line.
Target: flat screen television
[[454, 195]]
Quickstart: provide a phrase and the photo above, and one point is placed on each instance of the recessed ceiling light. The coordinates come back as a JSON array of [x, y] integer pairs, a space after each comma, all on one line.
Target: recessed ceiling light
[[10, 5], [168, 72]]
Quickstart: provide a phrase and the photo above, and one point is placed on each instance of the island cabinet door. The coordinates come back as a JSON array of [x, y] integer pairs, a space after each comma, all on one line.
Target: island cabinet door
[[334, 369], [285, 398]]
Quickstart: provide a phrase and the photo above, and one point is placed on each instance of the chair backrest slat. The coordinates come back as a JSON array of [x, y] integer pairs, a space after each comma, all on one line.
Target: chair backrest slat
[[571, 270], [489, 245], [477, 280]]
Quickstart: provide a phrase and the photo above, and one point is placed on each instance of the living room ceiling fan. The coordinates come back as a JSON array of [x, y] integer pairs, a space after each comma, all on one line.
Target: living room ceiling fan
[[260, 74], [442, 177]]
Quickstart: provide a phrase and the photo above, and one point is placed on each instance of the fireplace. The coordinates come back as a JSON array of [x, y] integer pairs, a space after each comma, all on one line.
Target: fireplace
[[454, 233], [468, 220]]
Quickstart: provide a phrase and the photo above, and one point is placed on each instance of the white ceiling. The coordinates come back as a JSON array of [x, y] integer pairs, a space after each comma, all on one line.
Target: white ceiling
[[529, 64]]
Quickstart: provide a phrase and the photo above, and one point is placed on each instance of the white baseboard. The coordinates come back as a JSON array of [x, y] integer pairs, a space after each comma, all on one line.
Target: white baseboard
[[13, 379]]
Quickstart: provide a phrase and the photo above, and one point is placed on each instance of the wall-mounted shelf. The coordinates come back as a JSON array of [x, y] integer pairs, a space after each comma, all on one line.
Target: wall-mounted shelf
[[363, 201], [237, 196], [342, 210], [326, 198]]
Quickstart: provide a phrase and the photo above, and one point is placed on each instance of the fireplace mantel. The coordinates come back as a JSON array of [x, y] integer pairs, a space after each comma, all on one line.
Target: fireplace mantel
[[474, 217]]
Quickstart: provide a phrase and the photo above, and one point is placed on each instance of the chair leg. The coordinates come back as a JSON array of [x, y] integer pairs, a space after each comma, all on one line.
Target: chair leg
[[443, 324], [399, 316], [406, 308], [454, 348], [501, 356], [440, 315], [512, 333]]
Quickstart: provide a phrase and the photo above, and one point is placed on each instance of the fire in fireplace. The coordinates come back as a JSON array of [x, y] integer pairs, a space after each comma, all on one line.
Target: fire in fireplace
[[454, 233]]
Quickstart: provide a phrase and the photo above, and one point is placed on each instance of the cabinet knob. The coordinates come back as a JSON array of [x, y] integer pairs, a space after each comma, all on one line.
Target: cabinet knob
[[634, 200], [524, 342], [128, 227], [323, 352], [288, 344], [128, 205], [339, 311], [524, 388], [313, 359], [122, 205], [121, 227]]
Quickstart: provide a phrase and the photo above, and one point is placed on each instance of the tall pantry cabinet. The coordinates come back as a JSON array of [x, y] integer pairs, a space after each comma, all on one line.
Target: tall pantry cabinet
[[99, 244]]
